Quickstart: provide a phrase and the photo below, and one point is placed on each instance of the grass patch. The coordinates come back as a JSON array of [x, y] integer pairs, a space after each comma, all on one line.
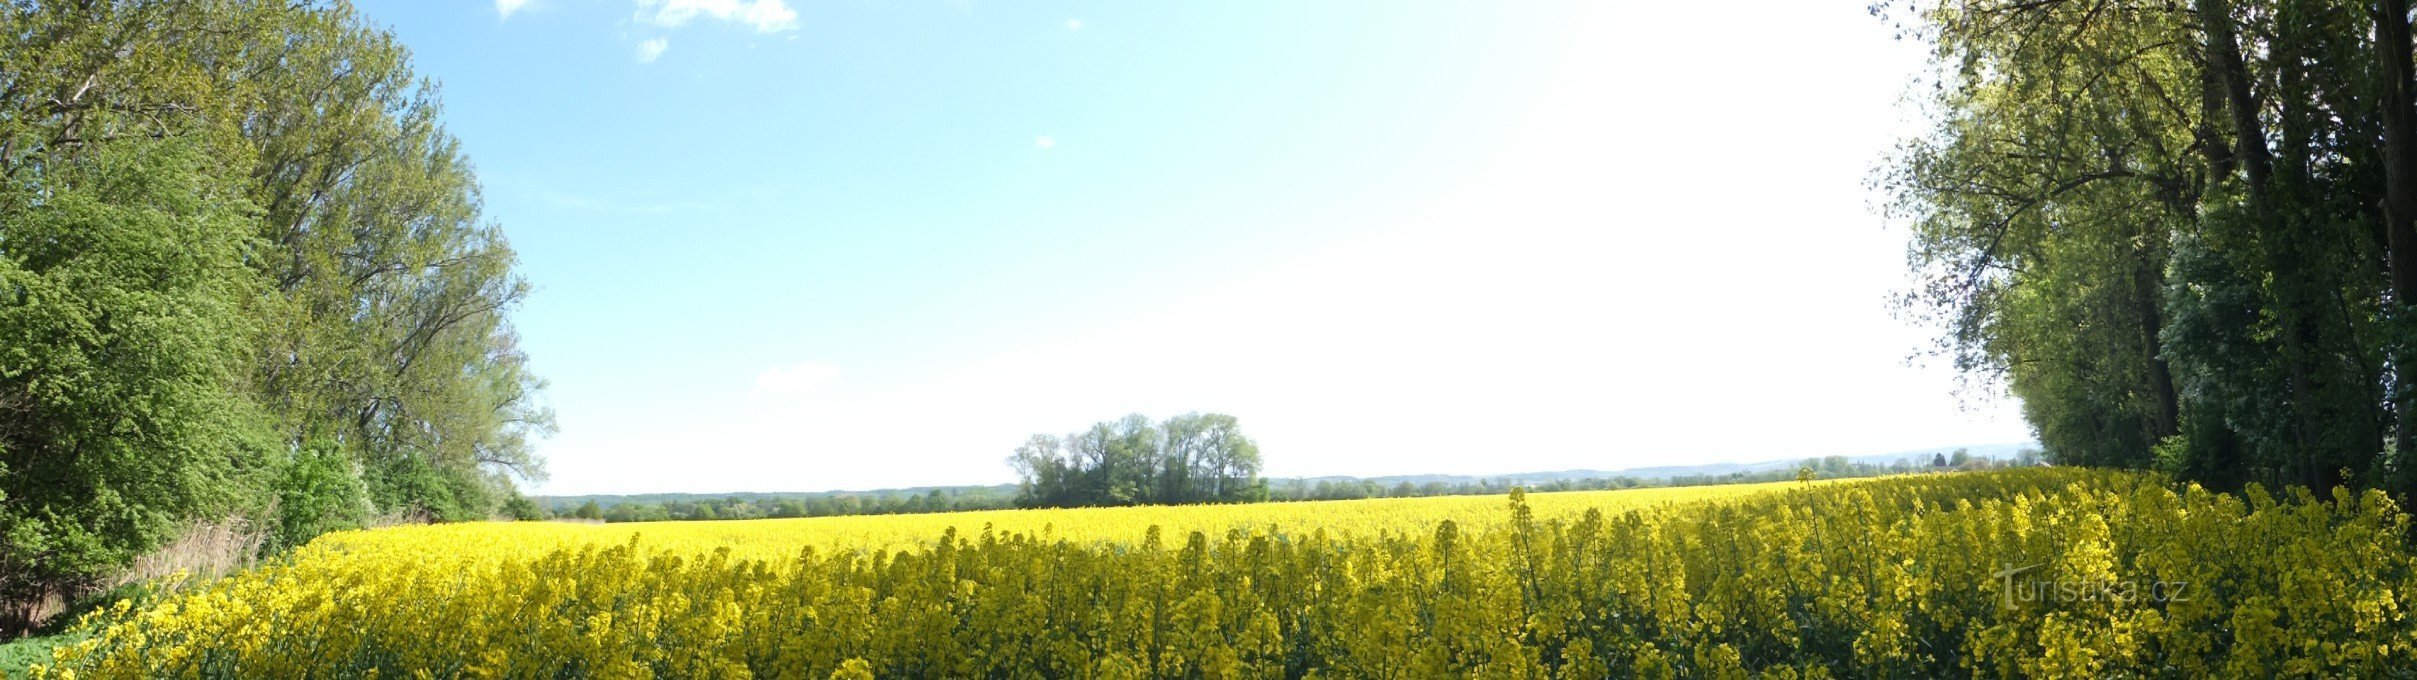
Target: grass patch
[[17, 656]]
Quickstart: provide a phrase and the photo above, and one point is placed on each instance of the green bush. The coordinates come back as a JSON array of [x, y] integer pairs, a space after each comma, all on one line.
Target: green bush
[[521, 509], [319, 491]]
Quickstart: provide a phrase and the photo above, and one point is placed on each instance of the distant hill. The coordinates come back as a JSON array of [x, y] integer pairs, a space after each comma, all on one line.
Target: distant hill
[[564, 503], [1993, 451]]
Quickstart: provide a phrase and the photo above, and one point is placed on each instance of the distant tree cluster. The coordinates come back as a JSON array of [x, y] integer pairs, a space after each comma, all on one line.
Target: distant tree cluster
[[1191, 458], [1355, 489]]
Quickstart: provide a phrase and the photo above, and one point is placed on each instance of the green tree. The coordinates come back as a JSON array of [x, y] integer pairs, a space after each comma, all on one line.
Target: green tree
[[520, 509], [1044, 475], [1134, 465], [240, 218], [2176, 225], [318, 490], [1191, 458], [124, 345]]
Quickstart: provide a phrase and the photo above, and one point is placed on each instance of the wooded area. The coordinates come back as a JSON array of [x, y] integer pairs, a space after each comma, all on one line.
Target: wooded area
[[243, 273], [2180, 232], [1191, 458]]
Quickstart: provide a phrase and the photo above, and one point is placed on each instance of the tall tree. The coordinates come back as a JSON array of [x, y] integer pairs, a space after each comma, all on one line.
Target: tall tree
[[1041, 466], [1136, 451], [124, 335], [2070, 319], [2399, 113], [371, 330], [2172, 229]]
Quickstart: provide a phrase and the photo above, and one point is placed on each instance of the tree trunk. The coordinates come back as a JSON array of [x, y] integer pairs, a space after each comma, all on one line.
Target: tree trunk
[[2400, 210], [2276, 238], [2231, 75], [2165, 416]]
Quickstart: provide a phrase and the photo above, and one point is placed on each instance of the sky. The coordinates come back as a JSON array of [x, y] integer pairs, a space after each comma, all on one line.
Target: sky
[[782, 245]]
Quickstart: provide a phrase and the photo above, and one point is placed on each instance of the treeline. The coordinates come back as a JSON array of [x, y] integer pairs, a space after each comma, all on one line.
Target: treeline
[[2183, 233], [694, 507], [1191, 458], [801, 505], [243, 272], [1831, 467]]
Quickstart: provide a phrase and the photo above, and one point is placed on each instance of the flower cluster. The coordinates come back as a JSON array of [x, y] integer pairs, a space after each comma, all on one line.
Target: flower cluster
[[1894, 577]]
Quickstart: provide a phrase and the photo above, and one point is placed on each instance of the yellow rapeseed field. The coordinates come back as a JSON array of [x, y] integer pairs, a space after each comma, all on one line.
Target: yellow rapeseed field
[[2024, 573], [780, 539]]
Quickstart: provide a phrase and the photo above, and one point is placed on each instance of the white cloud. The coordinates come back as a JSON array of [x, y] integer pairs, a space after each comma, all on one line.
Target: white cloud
[[1071, 24], [767, 16], [507, 7], [794, 380], [1045, 143], [650, 50]]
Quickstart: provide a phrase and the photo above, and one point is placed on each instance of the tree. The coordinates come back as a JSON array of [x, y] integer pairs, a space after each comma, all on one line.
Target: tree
[[394, 289], [1187, 450], [319, 491], [1133, 454], [335, 286], [1230, 461], [1191, 458], [589, 510], [2398, 102], [123, 347], [1041, 466], [521, 509], [1093, 458], [2177, 228]]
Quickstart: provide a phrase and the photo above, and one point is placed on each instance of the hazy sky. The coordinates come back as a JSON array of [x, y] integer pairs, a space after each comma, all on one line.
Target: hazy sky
[[783, 245]]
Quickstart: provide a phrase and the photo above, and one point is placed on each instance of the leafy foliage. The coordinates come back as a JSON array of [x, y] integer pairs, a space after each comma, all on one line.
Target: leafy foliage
[[318, 492], [242, 270], [123, 331], [2171, 225], [1191, 458]]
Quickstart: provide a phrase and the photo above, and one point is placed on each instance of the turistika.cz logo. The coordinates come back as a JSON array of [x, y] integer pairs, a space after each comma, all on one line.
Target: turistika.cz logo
[[2067, 591]]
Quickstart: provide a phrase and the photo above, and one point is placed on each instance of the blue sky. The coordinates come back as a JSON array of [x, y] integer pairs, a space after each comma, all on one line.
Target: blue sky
[[782, 245]]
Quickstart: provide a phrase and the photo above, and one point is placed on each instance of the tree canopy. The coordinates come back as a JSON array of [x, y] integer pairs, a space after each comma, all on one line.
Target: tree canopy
[[243, 270], [2181, 233], [1191, 458]]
